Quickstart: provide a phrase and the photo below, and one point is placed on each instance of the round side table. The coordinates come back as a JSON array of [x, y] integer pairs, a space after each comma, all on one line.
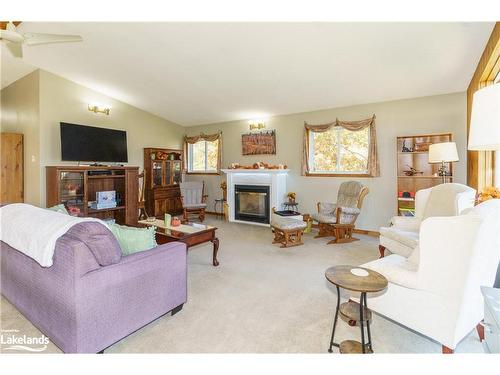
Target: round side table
[[370, 282]]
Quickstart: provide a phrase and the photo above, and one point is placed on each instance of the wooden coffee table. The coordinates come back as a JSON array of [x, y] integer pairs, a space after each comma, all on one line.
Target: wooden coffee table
[[191, 234], [370, 282]]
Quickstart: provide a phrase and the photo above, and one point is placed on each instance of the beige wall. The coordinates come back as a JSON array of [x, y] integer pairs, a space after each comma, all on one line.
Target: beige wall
[[63, 100], [435, 114], [20, 114]]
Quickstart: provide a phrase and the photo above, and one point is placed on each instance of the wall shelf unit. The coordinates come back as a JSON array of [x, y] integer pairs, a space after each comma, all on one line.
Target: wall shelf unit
[[417, 156]]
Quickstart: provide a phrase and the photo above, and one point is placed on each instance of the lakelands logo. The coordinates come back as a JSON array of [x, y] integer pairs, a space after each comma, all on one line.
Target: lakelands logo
[[10, 339]]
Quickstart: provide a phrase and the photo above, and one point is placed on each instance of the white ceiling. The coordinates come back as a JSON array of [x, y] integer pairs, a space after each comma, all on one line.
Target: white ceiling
[[198, 73]]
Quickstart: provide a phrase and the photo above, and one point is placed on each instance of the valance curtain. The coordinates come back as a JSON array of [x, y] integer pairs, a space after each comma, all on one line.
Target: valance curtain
[[204, 137], [373, 164]]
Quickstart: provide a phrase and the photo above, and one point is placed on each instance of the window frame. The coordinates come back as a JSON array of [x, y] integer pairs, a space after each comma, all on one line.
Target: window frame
[[310, 157], [189, 161]]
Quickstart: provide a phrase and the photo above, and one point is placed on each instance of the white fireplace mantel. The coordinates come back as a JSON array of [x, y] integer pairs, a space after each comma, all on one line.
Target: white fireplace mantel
[[274, 178]]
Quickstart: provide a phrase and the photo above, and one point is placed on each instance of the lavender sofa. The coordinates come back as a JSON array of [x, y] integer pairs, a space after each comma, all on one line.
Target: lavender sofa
[[91, 296]]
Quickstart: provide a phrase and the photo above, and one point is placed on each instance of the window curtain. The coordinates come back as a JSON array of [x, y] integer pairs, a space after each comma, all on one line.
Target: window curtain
[[373, 164], [203, 137]]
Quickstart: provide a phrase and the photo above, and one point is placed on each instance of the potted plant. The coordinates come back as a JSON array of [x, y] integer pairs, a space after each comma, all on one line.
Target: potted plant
[[223, 186], [489, 192]]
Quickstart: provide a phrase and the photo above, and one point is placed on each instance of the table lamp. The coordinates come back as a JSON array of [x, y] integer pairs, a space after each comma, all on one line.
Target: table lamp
[[484, 133], [445, 152]]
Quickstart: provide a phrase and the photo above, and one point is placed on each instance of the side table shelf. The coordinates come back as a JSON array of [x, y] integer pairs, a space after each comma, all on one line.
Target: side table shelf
[[361, 280]]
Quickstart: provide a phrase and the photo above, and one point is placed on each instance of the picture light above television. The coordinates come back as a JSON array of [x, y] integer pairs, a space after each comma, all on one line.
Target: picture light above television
[[91, 144]]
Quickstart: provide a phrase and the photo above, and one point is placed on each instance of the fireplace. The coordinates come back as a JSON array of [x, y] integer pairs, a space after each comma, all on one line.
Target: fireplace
[[251, 203]]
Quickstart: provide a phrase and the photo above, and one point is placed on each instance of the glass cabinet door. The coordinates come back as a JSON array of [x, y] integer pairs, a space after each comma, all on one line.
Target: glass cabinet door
[[177, 172], [71, 191], [157, 171], [168, 173]]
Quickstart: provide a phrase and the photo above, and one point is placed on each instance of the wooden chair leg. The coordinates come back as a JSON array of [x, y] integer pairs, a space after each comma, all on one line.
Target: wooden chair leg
[[381, 250], [480, 330], [446, 350]]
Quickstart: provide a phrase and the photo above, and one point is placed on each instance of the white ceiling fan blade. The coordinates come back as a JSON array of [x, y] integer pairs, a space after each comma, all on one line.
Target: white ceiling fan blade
[[33, 39], [16, 49]]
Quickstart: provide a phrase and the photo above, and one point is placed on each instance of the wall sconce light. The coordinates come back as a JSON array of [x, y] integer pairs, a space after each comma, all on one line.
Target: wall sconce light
[[257, 126], [97, 109]]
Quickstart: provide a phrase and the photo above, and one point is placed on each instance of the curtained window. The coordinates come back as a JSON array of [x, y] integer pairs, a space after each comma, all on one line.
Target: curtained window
[[202, 153], [341, 148]]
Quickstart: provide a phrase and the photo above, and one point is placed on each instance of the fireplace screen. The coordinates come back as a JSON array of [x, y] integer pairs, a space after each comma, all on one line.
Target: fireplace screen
[[252, 203]]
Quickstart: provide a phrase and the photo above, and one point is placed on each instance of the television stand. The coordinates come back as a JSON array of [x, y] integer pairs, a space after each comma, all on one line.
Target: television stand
[[76, 186]]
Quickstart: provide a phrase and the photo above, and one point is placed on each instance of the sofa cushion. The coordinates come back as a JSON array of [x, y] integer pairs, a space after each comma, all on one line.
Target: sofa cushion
[[287, 223], [325, 218], [406, 237], [99, 240], [396, 269], [133, 240]]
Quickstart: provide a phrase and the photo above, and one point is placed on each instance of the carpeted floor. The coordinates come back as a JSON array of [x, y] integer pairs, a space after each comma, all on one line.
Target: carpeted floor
[[261, 299]]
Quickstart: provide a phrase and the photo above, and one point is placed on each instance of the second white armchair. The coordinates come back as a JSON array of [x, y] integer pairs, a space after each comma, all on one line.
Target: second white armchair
[[442, 200]]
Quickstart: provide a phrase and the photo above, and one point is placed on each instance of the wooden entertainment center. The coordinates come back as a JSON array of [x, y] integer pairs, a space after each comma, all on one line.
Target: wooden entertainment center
[[76, 186]]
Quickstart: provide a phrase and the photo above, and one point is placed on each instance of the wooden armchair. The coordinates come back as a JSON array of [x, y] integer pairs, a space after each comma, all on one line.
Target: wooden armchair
[[193, 199], [141, 204], [338, 219]]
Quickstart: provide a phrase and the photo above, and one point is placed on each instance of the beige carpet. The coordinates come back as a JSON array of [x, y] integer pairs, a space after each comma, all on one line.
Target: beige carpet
[[261, 299]]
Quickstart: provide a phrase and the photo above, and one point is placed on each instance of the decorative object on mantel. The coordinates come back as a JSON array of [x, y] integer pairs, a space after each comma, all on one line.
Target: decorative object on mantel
[[373, 164], [412, 171], [261, 143], [489, 192], [258, 165], [291, 197]]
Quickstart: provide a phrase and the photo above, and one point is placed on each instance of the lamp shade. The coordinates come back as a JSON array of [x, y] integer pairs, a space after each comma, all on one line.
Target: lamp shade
[[484, 131], [439, 152]]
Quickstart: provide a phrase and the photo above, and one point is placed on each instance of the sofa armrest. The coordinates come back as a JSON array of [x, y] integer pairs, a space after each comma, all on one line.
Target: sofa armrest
[[406, 223], [172, 251]]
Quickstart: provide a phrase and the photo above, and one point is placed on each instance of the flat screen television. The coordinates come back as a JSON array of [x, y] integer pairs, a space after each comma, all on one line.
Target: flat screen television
[[92, 144]]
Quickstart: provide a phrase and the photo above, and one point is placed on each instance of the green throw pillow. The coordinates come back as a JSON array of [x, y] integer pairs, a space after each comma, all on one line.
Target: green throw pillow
[[59, 208], [133, 240]]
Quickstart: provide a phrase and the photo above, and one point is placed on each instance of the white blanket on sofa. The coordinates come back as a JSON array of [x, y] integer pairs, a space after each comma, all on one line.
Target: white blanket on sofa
[[34, 231]]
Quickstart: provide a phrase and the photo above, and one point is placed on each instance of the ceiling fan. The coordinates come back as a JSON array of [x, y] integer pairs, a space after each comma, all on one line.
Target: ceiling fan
[[14, 39]]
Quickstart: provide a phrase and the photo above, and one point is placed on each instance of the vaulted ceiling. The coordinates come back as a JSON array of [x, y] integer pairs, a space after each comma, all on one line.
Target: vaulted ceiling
[[197, 73]]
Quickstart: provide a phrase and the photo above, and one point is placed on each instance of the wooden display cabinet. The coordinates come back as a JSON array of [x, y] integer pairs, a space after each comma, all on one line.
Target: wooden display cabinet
[[163, 174], [76, 186], [417, 156]]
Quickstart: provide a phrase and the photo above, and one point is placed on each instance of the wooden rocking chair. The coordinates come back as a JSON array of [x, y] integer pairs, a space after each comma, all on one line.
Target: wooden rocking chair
[[338, 219]]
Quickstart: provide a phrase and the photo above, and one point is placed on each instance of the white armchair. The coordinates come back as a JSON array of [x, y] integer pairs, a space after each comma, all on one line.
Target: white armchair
[[436, 291], [441, 200]]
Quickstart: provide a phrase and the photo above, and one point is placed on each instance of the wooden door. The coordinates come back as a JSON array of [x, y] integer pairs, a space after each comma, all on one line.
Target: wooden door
[[12, 175]]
